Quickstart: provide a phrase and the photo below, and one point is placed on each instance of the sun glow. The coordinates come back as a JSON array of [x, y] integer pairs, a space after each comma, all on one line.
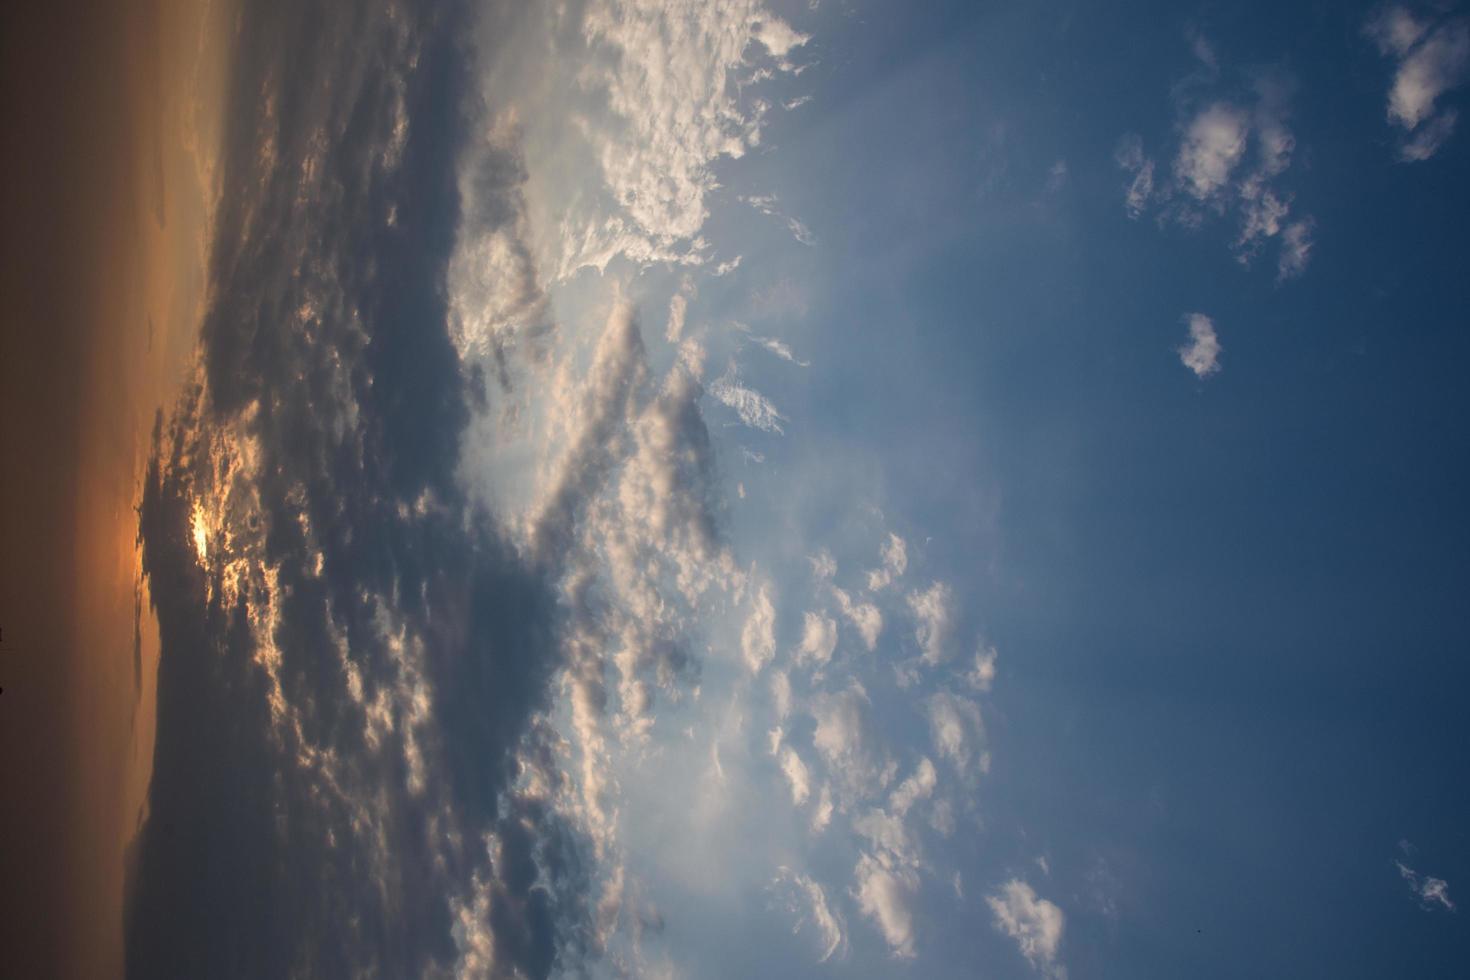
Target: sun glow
[[201, 532]]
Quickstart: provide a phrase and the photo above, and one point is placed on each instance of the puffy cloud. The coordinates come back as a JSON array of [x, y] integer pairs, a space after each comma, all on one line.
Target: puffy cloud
[[1431, 60], [1213, 144], [1033, 922], [864, 617], [1429, 890], [796, 774], [885, 894], [806, 902], [818, 639], [1232, 158], [895, 561], [934, 615], [982, 675], [758, 638], [957, 730], [672, 80], [845, 739], [1202, 354]]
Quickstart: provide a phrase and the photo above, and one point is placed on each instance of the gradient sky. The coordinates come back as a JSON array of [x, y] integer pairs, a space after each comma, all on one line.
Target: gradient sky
[[838, 488]]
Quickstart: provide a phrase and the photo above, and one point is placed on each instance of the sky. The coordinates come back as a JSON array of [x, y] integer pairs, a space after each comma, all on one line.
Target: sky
[[789, 489]]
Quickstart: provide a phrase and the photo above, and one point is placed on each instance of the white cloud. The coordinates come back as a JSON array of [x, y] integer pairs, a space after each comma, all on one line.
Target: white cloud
[[1231, 160], [753, 408], [1429, 890], [807, 903], [982, 675], [796, 775], [1213, 144], [895, 561], [678, 311], [846, 742], [958, 732], [671, 77], [933, 612], [1296, 248], [780, 349], [1202, 354], [758, 638], [1034, 923], [1431, 61], [818, 639], [885, 894], [864, 616]]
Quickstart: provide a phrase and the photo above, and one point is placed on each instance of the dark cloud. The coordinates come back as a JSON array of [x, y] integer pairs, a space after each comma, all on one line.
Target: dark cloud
[[346, 679]]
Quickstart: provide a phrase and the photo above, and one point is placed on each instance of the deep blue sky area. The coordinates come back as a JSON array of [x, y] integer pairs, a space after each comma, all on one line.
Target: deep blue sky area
[[1240, 599]]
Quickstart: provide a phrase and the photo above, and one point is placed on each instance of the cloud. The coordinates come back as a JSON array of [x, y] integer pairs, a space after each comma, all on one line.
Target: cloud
[[1296, 248], [957, 730], [934, 615], [982, 675], [864, 617], [845, 739], [1232, 159], [1429, 890], [353, 666], [758, 638], [895, 561], [1202, 354], [818, 639], [754, 409], [666, 91], [1431, 60], [796, 775], [1034, 923], [806, 902], [885, 894], [1213, 144]]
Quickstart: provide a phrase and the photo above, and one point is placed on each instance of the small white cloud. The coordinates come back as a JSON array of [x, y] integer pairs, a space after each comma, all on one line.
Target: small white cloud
[[678, 310], [1431, 61], [982, 675], [895, 561], [1034, 923], [796, 775], [1202, 354], [1429, 890], [781, 350], [1296, 248], [758, 638], [1213, 144], [864, 616], [933, 612], [884, 894], [818, 639], [753, 408], [958, 732]]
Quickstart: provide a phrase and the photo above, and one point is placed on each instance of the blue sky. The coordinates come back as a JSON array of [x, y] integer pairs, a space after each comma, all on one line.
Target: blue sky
[[955, 490]]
